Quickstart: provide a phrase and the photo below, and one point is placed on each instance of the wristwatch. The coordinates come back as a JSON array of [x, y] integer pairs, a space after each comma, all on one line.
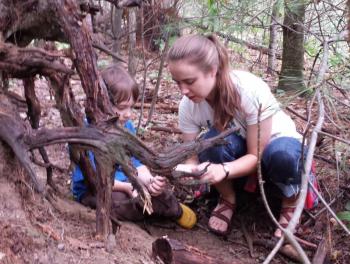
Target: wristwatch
[[226, 169]]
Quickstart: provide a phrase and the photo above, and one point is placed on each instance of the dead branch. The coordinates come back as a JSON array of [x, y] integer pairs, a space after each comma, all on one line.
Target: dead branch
[[321, 252], [286, 251], [262, 49], [248, 238], [308, 222], [159, 106], [160, 72], [105, 49], [34, 112], [330, 209], [26, 62], [126, 3], [166, 129], [288, 232], [173, 251]]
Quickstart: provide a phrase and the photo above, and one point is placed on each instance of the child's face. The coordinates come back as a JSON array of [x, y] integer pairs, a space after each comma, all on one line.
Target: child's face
[[123, 109]]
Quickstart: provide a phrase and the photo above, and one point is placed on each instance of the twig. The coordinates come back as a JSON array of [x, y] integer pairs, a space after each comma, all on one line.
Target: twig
[[166, 129], [335, 137], [248, 238], [330, 210], [332, 162], [163, 106], [283, 250], [47, 165], [107, 51], [145, 66], [321, 252], [161, 67], [291, 225]]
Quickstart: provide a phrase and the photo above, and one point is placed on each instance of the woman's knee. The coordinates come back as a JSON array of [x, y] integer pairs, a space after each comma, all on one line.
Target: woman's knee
[[235, 148], [281, 161]]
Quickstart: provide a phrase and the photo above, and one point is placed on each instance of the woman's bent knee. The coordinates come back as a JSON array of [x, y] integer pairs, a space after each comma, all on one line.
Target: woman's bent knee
[[281, 161], [235, 148]]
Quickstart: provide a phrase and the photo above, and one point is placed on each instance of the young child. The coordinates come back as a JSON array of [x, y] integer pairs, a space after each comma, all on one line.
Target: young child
[[124, 92], [217, 97]]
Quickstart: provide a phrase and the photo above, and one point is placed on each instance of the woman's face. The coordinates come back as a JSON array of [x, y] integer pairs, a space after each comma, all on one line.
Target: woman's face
[[193, 82]]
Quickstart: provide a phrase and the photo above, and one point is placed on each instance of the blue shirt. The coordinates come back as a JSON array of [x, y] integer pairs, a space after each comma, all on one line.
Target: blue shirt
[[78, 185]]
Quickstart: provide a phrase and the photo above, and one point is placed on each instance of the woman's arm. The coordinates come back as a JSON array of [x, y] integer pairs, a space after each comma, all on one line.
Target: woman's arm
[[246, 164]]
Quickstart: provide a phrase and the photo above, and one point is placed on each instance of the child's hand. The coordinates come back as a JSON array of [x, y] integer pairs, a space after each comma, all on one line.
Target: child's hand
[[129, 189], [156, 185], [125, 187]]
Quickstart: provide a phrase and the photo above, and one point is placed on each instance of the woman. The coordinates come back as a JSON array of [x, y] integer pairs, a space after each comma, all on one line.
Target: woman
[[217, 97]]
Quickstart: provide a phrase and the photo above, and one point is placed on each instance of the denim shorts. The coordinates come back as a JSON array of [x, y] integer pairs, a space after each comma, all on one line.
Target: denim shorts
[[281, 161]]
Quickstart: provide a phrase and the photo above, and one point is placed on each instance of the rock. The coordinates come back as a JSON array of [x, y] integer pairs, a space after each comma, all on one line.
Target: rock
[[60, 246], [111, 243]]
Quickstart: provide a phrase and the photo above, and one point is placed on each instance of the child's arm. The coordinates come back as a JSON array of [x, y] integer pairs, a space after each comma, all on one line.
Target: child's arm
[[126, 187], [155, 185]]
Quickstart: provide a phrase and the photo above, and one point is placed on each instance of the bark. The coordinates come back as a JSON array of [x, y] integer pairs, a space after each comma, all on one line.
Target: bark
[[97, 104], [292, 72], [172, 251], [26, 62], [116, 21], [34, 112], [348, 21], [157, 16], [132, 42], [273, 38]]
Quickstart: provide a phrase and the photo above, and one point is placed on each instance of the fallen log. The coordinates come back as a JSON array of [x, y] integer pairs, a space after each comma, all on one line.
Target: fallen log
[[172, 251]]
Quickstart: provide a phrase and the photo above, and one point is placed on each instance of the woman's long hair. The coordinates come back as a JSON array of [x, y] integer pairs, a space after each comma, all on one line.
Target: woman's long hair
[[207, 53]]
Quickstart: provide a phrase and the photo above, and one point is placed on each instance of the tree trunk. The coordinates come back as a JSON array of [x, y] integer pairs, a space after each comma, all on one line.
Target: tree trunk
[[132, 64], [97, 100], [273, 38], [292, 75], [348, 21], [116, 19]]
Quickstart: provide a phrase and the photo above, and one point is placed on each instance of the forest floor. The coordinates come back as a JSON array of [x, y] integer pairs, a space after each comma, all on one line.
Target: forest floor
[[34, 231]]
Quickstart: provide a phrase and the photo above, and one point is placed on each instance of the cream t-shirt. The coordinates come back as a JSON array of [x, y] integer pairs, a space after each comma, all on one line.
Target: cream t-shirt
[[253, 91]]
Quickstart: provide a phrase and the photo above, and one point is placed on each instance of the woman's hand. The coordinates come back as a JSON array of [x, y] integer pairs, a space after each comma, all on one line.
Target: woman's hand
[[156, 185], [214, 174]]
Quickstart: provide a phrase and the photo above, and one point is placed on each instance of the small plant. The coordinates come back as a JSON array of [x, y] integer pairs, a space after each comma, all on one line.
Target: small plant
[[345, 215]]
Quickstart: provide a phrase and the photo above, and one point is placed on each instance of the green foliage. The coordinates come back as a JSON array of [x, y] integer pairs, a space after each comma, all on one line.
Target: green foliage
[[102, 63], [344, 216], [311, 47], [213, 22], [61, 45], [336, 59]]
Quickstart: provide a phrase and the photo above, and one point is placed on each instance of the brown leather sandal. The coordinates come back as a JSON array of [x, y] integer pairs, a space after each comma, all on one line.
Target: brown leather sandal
[[287, 213], [224, 206]]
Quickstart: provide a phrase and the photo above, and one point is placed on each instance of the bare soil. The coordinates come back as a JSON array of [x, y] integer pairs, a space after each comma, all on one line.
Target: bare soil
[[36, 231]]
